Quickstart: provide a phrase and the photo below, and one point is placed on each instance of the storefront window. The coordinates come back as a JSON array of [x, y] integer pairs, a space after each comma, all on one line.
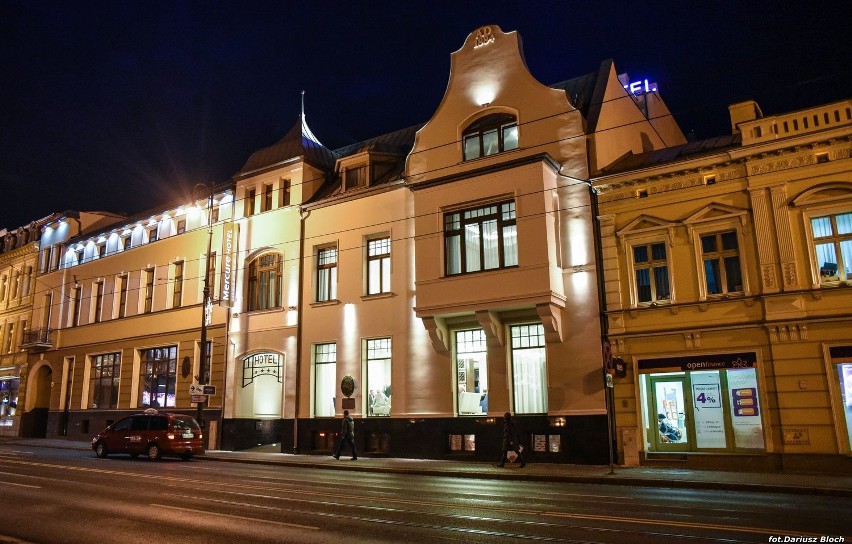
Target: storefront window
[[158, 377], [325, 362], [379, 376], [9, 396], [529, 369], [471, 372], [844, 371]]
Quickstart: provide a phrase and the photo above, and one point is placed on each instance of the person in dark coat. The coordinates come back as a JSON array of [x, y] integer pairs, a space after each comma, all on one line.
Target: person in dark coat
[[510, 441], [347, 435]]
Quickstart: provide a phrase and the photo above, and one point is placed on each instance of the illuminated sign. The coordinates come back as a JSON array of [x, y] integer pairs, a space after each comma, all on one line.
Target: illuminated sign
[[641, 87], [230, 236], [261, 364]]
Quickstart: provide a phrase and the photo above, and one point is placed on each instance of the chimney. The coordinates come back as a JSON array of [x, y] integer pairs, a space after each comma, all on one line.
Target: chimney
[[743, 112]]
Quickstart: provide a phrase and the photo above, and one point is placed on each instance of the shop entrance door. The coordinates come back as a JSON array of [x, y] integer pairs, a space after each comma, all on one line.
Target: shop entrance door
[[668, 414]]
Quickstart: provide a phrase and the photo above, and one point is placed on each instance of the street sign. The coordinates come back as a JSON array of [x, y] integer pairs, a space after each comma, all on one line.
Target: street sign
[[202, 390], [199, 398]]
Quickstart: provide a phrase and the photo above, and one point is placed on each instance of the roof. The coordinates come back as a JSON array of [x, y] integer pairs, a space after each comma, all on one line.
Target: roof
[[579, 90], [690, 150], [299, 142]]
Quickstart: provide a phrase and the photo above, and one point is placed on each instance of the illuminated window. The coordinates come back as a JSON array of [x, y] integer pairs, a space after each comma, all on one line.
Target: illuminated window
[[264, 282], [152, 234], [378, 361], [832, 235], [125, 242], [721, 256], [326, 274], [651, 272], [378, 266], [481, 239], [471, 362], [9, 396], [181, 226], [529, 369], [325, 379], [159, 366], [103, 387], [489, 135]]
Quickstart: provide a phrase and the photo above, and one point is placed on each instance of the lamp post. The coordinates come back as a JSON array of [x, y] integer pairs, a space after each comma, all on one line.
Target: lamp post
[[202, 364]]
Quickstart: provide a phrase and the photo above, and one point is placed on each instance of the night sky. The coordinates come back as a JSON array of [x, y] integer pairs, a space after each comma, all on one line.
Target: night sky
[[124, 105]]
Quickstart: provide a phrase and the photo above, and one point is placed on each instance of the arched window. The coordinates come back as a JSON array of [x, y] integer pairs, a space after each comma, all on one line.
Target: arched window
[[489, 135], [264, 284]]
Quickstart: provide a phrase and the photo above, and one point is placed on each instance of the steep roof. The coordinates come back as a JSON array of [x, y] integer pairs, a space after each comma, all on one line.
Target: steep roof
[[299, 142]]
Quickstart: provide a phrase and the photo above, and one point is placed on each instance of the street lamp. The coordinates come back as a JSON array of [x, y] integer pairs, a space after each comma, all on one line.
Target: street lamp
[[202, 365]]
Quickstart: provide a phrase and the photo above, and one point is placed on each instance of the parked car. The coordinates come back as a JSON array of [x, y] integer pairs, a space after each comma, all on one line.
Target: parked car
[[152, 433]]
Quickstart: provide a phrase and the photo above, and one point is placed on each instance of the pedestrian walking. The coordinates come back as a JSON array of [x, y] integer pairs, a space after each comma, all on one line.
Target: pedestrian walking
[[347, 435], [511, 442]]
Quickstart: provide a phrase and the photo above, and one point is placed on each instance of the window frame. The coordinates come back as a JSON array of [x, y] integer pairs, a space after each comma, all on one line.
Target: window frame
[[98, 295], [284, 193], [497, 122], [808, 215], [510, 340], [256, 271], [149, 374], [480, 219], [387, 390], [315, 358], [177, 283], [148, 277], [737, 222], [121, 307], [628, 238], [384, 265], [96, 380], [330, 281]]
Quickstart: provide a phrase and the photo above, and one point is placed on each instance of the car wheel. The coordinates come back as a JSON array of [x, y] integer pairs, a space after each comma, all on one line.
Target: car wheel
[[154, 452], [101, 450]]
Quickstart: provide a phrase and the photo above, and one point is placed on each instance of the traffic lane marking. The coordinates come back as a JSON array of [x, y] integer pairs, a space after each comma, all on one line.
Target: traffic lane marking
[[242, 518], [20, 485], [693, 525]]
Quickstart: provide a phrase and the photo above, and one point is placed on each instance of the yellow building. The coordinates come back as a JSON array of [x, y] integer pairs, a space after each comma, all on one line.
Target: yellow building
[[727, 265]]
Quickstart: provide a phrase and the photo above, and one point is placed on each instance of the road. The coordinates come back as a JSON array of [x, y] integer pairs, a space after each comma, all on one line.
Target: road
[[63, 496]]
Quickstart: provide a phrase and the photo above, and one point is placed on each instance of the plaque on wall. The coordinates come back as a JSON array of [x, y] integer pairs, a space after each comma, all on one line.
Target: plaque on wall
[[796, 437]]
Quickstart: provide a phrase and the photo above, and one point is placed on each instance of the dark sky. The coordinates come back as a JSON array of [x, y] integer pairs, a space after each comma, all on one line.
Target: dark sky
[[124, 105]]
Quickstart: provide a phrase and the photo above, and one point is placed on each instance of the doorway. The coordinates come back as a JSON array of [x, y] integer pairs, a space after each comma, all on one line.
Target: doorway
[[668, 414], [34, 420]]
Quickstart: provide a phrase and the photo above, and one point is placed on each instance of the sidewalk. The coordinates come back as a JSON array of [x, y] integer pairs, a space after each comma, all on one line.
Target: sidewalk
[[777, 482]]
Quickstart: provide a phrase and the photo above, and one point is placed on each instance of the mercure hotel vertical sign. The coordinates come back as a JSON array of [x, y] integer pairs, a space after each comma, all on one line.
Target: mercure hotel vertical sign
[[230, 237]]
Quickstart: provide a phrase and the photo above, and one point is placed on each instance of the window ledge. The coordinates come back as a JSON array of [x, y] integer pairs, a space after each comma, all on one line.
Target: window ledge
[[377, 296], [264, 311], [320, 304], [491, 156]]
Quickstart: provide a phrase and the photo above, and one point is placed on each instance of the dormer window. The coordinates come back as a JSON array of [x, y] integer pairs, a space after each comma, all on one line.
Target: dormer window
[[490, 135], [356, 177]]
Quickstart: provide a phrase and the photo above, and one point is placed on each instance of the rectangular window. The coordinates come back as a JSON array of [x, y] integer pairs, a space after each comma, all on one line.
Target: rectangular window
[[10, 337], [45, 260], [28, 281], [159, 366], [356, 177], [721, 256], [55, 257], [471, 370], [125, 243], [48, 309], [148, 275], [9, 396], [529, 369], [266, 203], [75, 310], [251, 194], [214, 215], [98, 292], [181, 226], [651, 272], [177, 293], [265, 282], [100, 250], [833, 246], [327, 274], [378, 266], [481, 239], [3, 283], [284, 193], [122, 296], [471, 147], [325, 380], [379, 376], [103, 387]]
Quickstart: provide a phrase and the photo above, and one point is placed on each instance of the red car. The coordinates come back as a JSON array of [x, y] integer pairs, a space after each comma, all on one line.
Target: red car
[[152, 433]]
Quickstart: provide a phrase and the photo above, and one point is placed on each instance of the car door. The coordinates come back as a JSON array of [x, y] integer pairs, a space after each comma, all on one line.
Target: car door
[[116, 437], [136, 438]]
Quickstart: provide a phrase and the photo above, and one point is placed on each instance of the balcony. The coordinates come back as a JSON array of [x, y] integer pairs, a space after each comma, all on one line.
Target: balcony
[[36, 340]]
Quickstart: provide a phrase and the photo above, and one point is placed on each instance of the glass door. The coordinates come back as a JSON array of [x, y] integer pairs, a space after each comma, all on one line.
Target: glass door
[[668, 415]]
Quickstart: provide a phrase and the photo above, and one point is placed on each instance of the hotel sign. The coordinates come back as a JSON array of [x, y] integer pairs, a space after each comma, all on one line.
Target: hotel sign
[[230, 239], [640, 87]]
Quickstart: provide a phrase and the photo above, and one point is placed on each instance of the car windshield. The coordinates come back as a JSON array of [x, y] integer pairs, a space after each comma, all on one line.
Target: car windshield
[[182, 423]]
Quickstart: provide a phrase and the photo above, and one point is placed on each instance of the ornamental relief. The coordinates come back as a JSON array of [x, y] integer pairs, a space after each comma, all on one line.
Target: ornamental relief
[[790, 274], [782, 164], [844, 153], [768, 274]]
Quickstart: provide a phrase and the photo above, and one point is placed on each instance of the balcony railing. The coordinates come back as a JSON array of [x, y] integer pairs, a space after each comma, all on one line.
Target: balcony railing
[[36, 339]]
